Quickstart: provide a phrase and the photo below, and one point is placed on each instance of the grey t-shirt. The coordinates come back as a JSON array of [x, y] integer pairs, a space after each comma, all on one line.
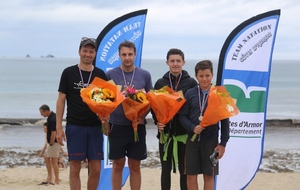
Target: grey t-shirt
[[138, 79]]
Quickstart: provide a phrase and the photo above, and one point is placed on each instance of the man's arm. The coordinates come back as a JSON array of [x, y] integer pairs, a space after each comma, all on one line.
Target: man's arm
[[60, 107], [52, 137], [224, 137], [43, 149]]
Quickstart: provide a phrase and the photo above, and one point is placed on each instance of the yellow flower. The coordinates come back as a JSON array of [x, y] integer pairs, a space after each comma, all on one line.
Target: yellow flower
[[101, 95], [222, 94], [141, 97], [108, 93], [161, 91]]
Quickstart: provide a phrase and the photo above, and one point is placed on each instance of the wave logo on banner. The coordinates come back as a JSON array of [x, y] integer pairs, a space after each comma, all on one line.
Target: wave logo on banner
[[127, 27], [244, 68]]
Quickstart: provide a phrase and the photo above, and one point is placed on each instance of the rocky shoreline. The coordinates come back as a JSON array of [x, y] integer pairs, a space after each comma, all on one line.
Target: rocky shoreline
[[33, 121], [20, 149], [273, 160]]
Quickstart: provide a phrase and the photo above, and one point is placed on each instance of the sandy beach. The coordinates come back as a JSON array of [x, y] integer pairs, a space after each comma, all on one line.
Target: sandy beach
[[28, 179], [22, 169]]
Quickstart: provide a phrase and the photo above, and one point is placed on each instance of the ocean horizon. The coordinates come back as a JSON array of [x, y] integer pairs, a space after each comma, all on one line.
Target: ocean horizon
[[30, 82]]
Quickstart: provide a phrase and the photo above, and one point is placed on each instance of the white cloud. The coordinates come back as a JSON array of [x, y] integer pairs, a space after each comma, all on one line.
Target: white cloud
[[198, 27]]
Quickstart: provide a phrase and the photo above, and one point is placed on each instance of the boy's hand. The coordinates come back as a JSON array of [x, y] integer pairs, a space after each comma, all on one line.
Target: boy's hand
[[198, 129], [160, 126], [221, 150]]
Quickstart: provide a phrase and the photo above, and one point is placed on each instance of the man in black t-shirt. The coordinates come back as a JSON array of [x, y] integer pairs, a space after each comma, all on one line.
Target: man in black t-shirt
[[53, 147], [83, 128]]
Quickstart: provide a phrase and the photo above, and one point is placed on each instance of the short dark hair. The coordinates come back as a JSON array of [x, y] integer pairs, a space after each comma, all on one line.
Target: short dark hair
[[202, 65], [45, 107], [127, 44], [175, 51]]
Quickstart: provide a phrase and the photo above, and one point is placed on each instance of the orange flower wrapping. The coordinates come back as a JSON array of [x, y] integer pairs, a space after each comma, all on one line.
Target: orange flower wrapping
[[219, 106], [103, 109], [165, 103], [134, 105]]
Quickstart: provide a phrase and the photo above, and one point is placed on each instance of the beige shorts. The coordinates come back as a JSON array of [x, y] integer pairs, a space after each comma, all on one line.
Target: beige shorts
[[53, 151]]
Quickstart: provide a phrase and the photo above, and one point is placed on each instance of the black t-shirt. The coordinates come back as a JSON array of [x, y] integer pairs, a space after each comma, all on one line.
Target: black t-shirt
[[78, 112], [51, 125]]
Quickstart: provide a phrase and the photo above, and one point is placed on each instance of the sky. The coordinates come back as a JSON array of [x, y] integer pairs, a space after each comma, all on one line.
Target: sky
[[199, 28]]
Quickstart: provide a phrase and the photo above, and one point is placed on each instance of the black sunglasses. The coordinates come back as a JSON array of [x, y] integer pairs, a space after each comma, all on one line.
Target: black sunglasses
[[86, 39]]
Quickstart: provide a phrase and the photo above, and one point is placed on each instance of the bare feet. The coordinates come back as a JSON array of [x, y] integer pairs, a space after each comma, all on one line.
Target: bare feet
[[50, 183], [56, 182]]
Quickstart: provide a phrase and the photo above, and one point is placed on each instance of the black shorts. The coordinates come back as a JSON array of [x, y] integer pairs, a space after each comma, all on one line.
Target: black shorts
[[197, 157], [121, 142]]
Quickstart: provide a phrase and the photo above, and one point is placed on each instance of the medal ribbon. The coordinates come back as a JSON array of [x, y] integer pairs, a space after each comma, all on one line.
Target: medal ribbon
[[88, 82], [176, 86], [202, 103], [131, 80]]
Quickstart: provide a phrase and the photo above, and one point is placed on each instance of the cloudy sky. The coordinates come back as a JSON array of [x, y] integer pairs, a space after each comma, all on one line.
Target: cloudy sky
[[199, 28]]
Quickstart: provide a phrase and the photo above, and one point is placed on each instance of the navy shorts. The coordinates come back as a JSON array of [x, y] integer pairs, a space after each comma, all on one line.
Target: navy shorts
[[84, 142], [197, 157], [121, 142]]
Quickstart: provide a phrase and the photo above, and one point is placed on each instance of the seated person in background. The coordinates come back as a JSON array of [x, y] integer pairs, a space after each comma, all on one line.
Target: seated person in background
[[60, 161]]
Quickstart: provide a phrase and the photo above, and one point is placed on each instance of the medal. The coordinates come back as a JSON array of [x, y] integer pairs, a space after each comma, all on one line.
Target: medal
[[200, 118], [202, 103]]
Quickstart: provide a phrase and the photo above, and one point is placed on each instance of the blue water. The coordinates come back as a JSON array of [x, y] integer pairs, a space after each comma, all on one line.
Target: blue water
[[27, 83]]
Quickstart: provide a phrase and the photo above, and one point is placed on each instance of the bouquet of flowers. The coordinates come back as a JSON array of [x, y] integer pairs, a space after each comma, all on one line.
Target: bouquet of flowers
[[219, 106], [165, 103], [99, 95], [102, 97], [135, 104]]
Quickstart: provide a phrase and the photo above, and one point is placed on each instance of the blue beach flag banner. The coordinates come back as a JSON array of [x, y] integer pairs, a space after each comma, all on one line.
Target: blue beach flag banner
[[244, 69], [128, 27]]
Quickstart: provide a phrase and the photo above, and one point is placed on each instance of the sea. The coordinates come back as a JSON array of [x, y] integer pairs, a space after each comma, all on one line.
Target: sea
[[27, 83]]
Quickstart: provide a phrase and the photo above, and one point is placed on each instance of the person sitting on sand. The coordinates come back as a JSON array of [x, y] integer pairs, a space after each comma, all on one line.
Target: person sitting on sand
[[61, 163]]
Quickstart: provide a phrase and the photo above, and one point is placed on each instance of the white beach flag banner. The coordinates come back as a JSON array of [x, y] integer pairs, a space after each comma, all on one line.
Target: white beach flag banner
[[244, 69]]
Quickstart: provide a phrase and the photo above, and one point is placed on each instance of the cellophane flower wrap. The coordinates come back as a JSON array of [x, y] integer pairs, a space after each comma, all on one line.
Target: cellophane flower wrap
[[165, 103], [102, 97], [134, 105], [220, 106]]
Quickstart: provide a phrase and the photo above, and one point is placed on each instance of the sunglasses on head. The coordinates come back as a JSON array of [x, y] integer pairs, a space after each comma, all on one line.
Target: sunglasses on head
[[86, 38]]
